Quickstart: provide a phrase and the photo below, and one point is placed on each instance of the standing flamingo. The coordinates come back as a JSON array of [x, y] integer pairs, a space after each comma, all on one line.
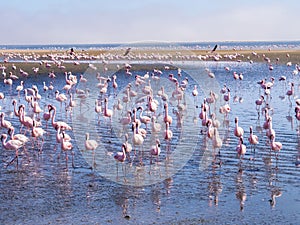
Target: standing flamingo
[[11, 145], [120, 157], [253, 139], [20, 87], [155, 150], [19, 137], [67, 146], [63, 125], [238, 131], [276, 146], [167, 117], [241, 148], [91, 145], [4, 123], [107, 112]]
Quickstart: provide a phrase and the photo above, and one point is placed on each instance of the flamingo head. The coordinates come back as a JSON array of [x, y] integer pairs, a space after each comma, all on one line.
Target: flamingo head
[[236, 119], [3, 136]]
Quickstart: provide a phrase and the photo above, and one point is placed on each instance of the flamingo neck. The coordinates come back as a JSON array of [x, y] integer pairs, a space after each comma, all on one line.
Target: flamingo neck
[[53, 116]]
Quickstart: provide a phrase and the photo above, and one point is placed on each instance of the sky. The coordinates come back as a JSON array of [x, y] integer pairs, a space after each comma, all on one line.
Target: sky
[[127, 21]]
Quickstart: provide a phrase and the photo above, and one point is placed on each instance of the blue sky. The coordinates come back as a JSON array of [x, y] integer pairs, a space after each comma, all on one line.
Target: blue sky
[[122, 21]]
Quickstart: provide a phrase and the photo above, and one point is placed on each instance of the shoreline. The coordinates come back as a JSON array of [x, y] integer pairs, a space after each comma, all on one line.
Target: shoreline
[[60, 61]]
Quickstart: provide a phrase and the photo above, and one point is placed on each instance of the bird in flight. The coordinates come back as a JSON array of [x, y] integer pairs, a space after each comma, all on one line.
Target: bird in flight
[[127, 51], [214, 49]]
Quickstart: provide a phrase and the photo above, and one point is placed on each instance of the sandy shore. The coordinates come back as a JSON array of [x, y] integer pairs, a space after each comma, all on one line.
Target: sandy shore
[[78, 61]]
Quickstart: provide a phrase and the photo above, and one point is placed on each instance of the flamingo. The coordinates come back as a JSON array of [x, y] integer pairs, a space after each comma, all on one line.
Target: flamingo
[[72, 102], [216, 140], [162, 94], [11, 145], [225, 109], [238, 131], [167, 117], [28, 98], [4, 123], [168, 133], [241, 148], [38, 132], [8, 82], [210, 131], [47, 115], [152, 104], [16, 112], [155, 150], [114, 82], [36, 108], [290, 92], [67, 146], [226, 97], [63, 125], [2, 96], [259, 101], [90, 145], [25, 120], [156, 127], [276, 146], [45, 88], [270, 132], [253, 139], [60, 97], [19, 137], [59, 136], [107, 112], [126, 119], [215, 122], [144, 119], [137, 139], [98, 108], [128, 146], [20, 87], [121, 156]]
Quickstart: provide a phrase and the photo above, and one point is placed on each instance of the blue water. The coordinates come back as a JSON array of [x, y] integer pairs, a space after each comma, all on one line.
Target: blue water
[[201, 190]]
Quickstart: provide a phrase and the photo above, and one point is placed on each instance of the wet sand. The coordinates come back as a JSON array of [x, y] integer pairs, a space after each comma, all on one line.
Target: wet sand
[[78, 62]]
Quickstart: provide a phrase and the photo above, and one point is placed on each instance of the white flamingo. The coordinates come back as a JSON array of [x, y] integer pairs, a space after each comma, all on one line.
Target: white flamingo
[[91, 145], [238, 131], [4, 123]]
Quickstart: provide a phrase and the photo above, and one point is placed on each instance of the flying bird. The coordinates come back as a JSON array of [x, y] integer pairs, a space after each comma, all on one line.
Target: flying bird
[[214, 49], [127, 51]]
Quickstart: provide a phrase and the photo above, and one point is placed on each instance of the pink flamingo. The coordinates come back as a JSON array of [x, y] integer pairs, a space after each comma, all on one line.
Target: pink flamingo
[[11, 145], [253, 139], [155, 150], [67, 146], [63, 125], [275, 145], [167, 117], [107, 112], [241, 148]]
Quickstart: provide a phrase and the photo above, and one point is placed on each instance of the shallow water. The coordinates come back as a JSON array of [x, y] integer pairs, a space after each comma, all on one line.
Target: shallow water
[[187, 184]]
